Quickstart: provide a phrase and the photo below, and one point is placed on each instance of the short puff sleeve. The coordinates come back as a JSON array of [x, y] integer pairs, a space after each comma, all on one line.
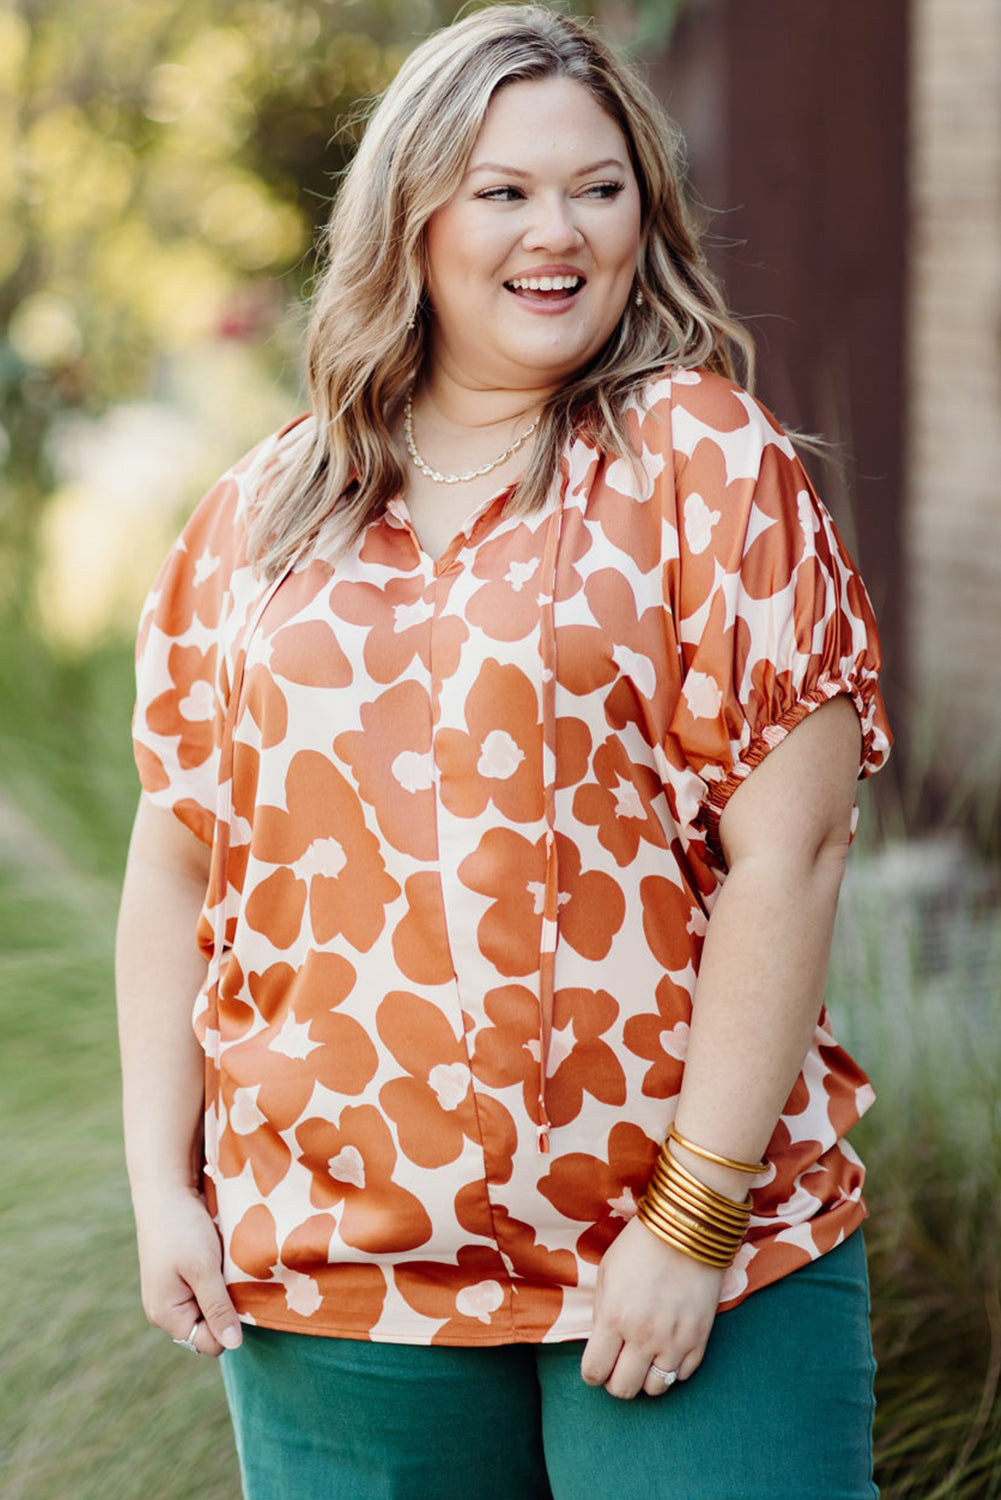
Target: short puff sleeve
[[181, 667], [772, 616]]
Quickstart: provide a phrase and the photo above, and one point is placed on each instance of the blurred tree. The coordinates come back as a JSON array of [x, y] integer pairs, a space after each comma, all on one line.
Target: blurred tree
[[164, 168]]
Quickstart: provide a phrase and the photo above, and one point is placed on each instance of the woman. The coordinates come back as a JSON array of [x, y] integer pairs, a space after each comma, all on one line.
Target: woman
[[518, 1092]]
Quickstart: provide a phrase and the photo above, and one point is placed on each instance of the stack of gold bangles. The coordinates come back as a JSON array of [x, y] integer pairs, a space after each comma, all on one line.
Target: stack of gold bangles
[[692, 1217]]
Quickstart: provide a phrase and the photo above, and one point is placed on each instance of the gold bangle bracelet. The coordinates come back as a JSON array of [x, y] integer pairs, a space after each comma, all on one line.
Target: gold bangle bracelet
[[667, 1172], [714, 1239], [723, 1210], [674, 1194], [677, 1242], [674, 1165], [721, 1161], [657, 1194], [687, 1247], [711, 1239], [721, 1239]]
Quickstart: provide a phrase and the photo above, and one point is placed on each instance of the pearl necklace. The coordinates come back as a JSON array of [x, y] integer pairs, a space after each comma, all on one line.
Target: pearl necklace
[[425, 468]]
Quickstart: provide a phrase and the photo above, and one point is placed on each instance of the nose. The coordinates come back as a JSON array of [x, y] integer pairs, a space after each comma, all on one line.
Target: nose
[[553, 226]]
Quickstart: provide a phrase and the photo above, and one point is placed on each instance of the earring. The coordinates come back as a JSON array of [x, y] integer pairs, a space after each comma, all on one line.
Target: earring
[[638, 299], [413, 322]]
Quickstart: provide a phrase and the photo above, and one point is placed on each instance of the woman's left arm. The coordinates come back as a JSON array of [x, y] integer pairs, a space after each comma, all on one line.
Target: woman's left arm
[[784, 833]]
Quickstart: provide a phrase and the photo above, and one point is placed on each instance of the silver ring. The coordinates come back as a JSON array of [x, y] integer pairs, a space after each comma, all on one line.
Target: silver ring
[[667, 1376], [189, 1342]]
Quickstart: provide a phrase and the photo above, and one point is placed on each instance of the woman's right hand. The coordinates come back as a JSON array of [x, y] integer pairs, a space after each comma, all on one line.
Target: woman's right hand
[[180, 1260]]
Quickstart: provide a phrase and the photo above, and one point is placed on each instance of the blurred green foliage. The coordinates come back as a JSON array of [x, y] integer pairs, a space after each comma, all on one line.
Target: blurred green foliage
[[164, 169]]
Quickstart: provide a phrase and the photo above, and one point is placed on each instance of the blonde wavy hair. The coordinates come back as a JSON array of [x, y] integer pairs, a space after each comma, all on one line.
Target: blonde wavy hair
[[369, 326]]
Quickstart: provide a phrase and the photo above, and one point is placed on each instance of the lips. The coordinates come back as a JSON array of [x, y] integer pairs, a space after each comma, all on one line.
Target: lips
[[547, 284]]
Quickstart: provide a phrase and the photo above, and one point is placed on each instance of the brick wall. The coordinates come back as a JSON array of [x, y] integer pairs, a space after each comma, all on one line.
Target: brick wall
[[953, 514]]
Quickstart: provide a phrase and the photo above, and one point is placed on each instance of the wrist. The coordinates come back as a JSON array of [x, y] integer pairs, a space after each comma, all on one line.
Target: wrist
[[695, 1219]]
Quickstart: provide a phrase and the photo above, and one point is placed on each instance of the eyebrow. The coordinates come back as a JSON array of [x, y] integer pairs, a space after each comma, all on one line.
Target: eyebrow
[[493, 166]]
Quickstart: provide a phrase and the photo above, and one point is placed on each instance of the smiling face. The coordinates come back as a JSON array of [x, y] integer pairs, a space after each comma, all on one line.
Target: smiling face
[[531, 262]]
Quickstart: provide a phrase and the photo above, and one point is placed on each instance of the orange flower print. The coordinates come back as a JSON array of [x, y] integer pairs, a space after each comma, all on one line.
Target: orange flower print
[[326, 854], [511, 869], [662, 1039], [203, 574], [672, 922], [500, 759], [307, 652], [265, 702], [477, 1214], [622, 647], [467, 1299], [352, 1163], [601, 1193], [432, 1108], [397, 613], [299, 1274], [579, 1061], [188, 710], [268, 1079], [508, 1051], [390, 758], [304, 1043], [621, 805], [591, 904], [506, 608], [420, 939]]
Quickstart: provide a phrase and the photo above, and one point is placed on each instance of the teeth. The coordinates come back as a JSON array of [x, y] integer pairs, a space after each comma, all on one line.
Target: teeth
[[546, 283]]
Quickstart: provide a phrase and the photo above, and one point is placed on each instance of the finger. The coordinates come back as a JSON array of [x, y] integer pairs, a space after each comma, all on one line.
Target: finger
[[600, 1353], [687, 1367], [626, 1380], [222, 1328], [660, 1377], [190, 1339]]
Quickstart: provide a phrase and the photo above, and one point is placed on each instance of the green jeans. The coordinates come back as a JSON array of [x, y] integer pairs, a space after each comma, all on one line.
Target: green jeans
[[780, 1409]]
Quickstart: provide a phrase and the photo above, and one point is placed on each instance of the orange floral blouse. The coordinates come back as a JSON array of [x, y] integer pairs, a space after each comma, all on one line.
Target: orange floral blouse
[[463, 819]]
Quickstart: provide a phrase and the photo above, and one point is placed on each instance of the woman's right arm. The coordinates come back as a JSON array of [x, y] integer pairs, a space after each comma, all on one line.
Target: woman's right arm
[[159, 969]]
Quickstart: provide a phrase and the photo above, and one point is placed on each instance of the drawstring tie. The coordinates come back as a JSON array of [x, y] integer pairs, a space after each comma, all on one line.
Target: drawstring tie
[[551, 883]]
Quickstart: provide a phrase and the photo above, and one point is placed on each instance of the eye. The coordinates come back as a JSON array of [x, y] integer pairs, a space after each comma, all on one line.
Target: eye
[[603, 190], [501, 194]]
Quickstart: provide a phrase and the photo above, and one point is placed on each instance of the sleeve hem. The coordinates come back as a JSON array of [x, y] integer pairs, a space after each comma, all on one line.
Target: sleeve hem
[[719, 793]]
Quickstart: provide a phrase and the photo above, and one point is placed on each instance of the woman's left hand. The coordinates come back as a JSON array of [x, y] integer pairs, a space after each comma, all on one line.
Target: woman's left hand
[[653, 1306]]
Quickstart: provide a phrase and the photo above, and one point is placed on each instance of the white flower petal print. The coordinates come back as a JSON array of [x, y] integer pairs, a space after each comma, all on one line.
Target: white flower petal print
[[406, 616], [699, 523], [323, 857], [240, 831], [302, 1295], [624, 1206], [479, 1301], [809, 523], [675, 1041], [198, 703], [293, 1040], [450, 1082], [205, 566], [628, 802], [348, 1166], [413, 770], [519, 573], [703, 695], [244, 1115], [500, 755], [640, 668]]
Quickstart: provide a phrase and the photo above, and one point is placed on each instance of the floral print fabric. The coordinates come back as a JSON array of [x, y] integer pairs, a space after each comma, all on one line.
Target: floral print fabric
[[463, 819]]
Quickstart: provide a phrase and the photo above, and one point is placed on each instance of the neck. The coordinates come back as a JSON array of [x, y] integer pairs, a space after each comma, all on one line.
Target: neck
[[451, 401]]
